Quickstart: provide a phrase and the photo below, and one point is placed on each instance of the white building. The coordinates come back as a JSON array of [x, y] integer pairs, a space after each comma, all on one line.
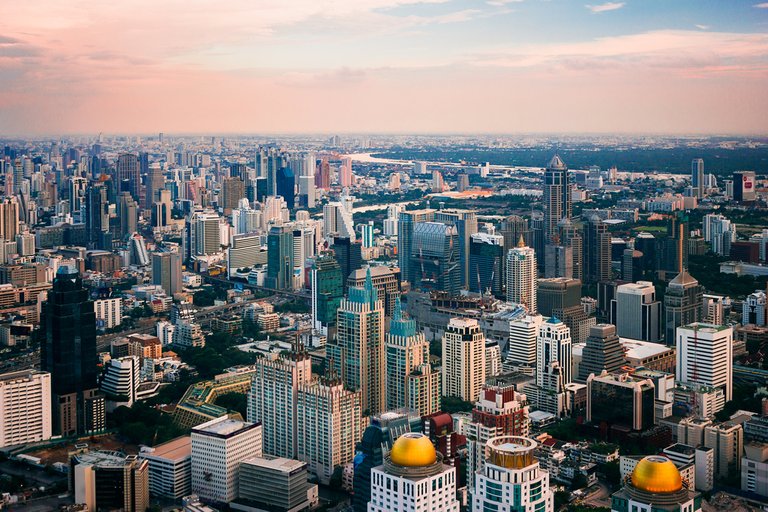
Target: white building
[[553, 345], [705, 356], [521, 276], [636, 313], [523, 333], [165, 332], [170, 467], [511, 479], [753, 309], [218, 447], [719, 232], [463, 359], [337, 220], [109, 311], [413, 478], [120, 380], [25, 407]]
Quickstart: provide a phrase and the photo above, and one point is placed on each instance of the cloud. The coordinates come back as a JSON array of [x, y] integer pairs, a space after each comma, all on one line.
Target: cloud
[[763, 5], [703, 27], [502, 3], [607, 6]]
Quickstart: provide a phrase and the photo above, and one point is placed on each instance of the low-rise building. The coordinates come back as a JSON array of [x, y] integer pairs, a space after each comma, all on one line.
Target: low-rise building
[[170, 467]]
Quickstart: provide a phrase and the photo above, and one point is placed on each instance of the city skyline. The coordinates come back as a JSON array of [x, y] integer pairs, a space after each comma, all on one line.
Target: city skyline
[[432, 66]]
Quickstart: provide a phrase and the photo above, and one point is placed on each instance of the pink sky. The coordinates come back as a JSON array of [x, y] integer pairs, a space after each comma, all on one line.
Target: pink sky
[[352, 66]]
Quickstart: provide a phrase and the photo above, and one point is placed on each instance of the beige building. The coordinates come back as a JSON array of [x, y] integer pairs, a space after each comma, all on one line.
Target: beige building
[[463, 359], [25, 407]]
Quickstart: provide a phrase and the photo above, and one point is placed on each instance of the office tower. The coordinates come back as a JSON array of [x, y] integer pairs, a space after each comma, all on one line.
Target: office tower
[[127, 170], [129, 215], [463, 359], [274, 161], [682, 303], [119, 381], [705, 356], [558, 261], [553, 345], [719, 232], [155, 183], [9, 218], [435, 263], [499, 411], [279, 259], [753, 311], [486, 263], [345, 172], [244, 218], [557, 293], [521, 277], [523, 333], [572, 241], [218, 448], [25, 407], [25, 244], [632, 266], [273, 397], [602, 352], [636, 313], [727, 441], [618, 401], [327, 285], [512, 228], [329, 423], [406, 349], [275, 484], [385, 279], [358, 349], [286, 186], [204, 233], [166, 271], [672, 251], [577, 320], [557, 197], [162, 209], [413, 478], [231, 192], [405, 225], [744, 187], [438, 183], [323, 174], [366, 234], [68, 352], [511, 479], [77, 187], [597, 251], [423, 387], [376, 441], [392, 220], [109, 312], [697, 177], [348, 254], [106, 480], [337, 221], [246, 251], [655, 483], [465, 222], [170, 467]]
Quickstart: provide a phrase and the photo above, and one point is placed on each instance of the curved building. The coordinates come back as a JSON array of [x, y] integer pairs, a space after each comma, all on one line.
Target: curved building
[[413, 478], [655, 484]]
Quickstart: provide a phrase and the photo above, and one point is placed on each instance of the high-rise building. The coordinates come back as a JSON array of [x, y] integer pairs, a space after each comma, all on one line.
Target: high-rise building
[[413, 478], [129, 215], [521, 277], [719, 232], [486, 263], [435, 263], [155, 183], [232, 190], [204, 234], [323, 174], [105, 480], [97, 216], [385, 279], [170, 468], [744, 187], [366, 234], [553, 346], [597, 251], [636, 313], [127, 171], [523, 333], [727, 441], [280, 258], [557, 197], [338, 221], [682, 303], [656, 484], [329, 423], [512, 228], [218, 448], [557, 293], [602, 352], [406, 350], [697, 177], [618, 401], [463, 359], [705, 356], [358, 349], [405, 226], [25, 407], [511, 479], [120, 380], [166, 271], [274, 484], [9, 218], [465, 222], [753, 311], [68, 352], [286, 186], [327, 285]]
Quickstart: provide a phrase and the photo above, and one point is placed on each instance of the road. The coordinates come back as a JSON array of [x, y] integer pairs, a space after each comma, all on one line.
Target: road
[[599, 497]]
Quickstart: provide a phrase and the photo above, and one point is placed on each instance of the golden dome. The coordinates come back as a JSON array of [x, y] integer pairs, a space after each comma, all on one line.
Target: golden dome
[[656, 474], [413, 450]]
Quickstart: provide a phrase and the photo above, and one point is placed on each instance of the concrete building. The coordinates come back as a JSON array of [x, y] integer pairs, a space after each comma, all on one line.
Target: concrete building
[[521, 277], [463, 359], [682, 304], [702, 458], [557, 293], [25, 407], [636, 313], [170, 468], [218, 448], [406, 349], [754, 468], [620, 401], [705, 356], [274, 484], [386, 280], [109, 481], [727, 441], [120, 380], [602, 352], [523, 333], [109, 312]]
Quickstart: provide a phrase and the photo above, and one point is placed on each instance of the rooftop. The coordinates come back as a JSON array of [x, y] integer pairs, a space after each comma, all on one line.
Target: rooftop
[[277, 464], [176, 449], [222, 426]]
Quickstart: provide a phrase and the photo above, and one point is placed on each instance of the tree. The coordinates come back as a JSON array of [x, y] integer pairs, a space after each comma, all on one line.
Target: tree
[[236, 402], [454, 404], [579, 481], [561, 499], [612, 472]]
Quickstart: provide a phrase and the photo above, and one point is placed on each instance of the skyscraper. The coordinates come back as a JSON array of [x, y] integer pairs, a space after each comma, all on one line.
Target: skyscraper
[[286, 186], [486, 263], [553, 368], [327, 286], [279, 258], [345, 172], [25, 402], [636, 313], [602, 352], [129, 215], [744, 187], [204, 233], [557, 197], [463, 359], [232, 190], [682, 304], [406, 349], [597, 251], [465, 222], [68, 352], [155, 183], [128, 170], [358, 349], [405, 225], [697, 176], [705, 356], [521, 276], [97, 218], [166, 271], [9, 218], [557, 293], [435, 263]]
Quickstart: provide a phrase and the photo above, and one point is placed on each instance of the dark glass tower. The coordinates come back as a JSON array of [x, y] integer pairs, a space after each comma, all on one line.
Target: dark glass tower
[[68, 352]]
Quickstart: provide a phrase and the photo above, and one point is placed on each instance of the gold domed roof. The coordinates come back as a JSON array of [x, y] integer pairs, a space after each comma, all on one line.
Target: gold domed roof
[[413, 450], [656, 474]]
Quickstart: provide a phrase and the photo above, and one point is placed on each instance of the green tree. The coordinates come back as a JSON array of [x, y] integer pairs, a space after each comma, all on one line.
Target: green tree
[[454, 404], [237, 402]]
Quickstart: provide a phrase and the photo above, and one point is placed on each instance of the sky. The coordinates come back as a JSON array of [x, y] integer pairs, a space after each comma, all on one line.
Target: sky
[[383, 66]]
